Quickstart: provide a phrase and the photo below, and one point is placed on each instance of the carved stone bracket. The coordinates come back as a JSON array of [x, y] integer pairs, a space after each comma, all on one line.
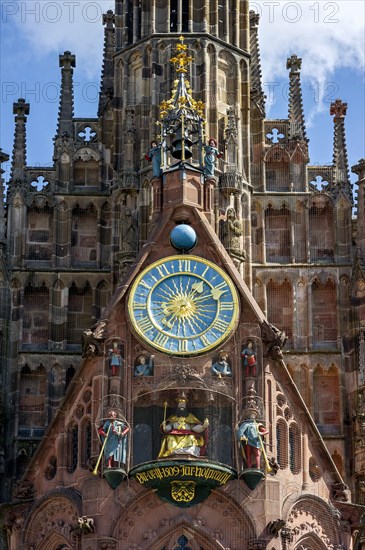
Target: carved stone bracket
[[274, 527], [93, 339], [274, 340]]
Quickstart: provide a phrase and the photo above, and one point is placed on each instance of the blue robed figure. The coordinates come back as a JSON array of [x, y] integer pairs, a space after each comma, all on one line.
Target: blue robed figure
[[115, 432]]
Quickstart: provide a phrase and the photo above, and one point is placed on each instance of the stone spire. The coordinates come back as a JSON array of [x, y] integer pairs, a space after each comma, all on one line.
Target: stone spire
[[66, 109], [296, 114], [3, 158], [107, 74], [19, 158], [359, 169], [340, 160], [257, 93]]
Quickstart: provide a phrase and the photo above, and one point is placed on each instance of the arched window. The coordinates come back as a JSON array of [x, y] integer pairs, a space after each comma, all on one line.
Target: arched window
[[277, 170], [324, 314], [83, 236], [321, 230], [86, 173], [280, 306], [326, 398], [39, 235], [72, 448], [79, 313], [35, 316], [294, 449], [282, 443], [32, 397], [86, 442], [277, 234]]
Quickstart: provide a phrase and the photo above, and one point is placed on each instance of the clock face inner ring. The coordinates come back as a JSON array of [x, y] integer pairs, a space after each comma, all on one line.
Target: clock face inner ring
[[183, 305]]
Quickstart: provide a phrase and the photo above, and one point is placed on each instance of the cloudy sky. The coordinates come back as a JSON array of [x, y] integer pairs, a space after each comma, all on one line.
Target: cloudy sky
[[328, 36]]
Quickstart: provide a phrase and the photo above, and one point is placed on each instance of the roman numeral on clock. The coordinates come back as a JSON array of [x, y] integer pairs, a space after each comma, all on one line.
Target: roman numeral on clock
[[220, 325], [183, 345], [185, 265], [145, 324], [161, 340], [162, 270], [226, 306], [137, 305], [205, 340]]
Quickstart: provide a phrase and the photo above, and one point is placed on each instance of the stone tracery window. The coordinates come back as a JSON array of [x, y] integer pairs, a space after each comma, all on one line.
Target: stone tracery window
[[39, 239], [326, 399], [83, 236], [324, 314], [321, 230], [79, 313], [277, 234], [280, 306], [35, 315], [32, 398], [72, 448]]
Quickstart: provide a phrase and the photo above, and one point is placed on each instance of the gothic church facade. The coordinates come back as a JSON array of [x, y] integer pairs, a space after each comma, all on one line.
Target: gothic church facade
[[131, 283]]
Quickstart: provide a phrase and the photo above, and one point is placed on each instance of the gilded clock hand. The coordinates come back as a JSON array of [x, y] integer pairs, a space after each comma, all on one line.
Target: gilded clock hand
[[198, 287], [216, 293]]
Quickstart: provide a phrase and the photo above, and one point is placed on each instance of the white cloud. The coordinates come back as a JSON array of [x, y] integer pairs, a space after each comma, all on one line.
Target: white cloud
[[328, 36], [55, 26]]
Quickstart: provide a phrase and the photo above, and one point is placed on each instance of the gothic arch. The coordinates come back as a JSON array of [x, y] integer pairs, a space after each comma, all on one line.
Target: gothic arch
[[193, 539], [310, 542], [312, 519], [321, 229], [53, 520], [56, 541], [277, 169], [277, 233], [219, 513]]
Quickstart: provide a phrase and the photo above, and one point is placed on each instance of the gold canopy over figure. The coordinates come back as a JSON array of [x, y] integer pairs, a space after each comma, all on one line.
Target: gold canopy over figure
[[184, 433]]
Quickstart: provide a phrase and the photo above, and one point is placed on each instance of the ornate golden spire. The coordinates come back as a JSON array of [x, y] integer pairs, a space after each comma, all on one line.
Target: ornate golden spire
[[182, 117]]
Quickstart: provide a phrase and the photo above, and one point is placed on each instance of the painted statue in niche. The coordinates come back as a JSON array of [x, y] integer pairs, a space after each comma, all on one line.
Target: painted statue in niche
[[115, 356], [250, 436], [183, 433], [114, 437], [210, 158], [221, 367], [154, 156], [249, 359], [144, 366]]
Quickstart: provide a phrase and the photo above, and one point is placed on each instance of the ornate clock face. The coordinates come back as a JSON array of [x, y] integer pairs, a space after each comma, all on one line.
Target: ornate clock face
[[183, 305]]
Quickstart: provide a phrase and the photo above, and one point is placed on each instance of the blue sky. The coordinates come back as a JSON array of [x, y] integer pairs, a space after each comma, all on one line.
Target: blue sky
[[329, 36]]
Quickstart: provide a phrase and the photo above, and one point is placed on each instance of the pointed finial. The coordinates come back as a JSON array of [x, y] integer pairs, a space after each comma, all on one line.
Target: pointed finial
[[109, 19], [67, 60], [339, 109], [21, 109], [254, 19], [4, 157], [294, 63], [359, 169]]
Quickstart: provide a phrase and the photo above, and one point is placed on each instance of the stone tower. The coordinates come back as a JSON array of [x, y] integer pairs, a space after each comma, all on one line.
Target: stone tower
[[183, 285]]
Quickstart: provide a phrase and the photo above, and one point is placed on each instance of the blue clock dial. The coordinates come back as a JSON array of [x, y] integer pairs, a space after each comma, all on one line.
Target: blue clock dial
[[183, 305]]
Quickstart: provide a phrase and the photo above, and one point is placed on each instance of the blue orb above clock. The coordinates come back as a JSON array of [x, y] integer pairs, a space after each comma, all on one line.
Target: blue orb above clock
[[183, 237]]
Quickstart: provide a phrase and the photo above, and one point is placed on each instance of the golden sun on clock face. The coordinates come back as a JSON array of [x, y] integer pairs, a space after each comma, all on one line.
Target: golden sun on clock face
[[183, 305]]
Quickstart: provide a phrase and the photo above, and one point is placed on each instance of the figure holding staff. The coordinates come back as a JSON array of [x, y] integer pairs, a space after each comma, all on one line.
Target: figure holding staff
[[113, 434], [249, 434]]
